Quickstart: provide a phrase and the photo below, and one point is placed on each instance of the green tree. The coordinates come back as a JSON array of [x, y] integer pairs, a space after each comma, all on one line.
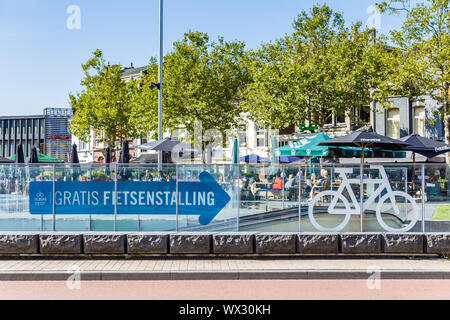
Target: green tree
[[106, 105], [319, 70], [421, 55], [202, 81]]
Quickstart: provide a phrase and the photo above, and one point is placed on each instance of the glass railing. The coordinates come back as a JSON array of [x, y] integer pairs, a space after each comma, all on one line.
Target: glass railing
[[225, 197]]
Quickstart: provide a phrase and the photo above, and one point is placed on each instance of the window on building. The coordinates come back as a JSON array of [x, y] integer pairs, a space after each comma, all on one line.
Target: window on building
[[42, 146], [82, 145], [242, 136], [1, 128], [393, 123], [12, 127], [29, 127], [261, 136], [36, 128], [6, 126], [419, 121], [42, 124], [24, 126], [6, 149], [12, 150], [362, 115], [1, 149], [340, 117], [18, 127]]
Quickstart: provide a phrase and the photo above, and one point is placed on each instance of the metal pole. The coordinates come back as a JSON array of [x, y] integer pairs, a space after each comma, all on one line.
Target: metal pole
[[282, 191], [423, 198], [53, 200], [177, 196], [361, 196], [115, 198], [300, 198], [160, 76], [238, 198]]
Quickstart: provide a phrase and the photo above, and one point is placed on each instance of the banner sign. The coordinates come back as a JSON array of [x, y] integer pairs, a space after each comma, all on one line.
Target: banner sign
[[205, 198]]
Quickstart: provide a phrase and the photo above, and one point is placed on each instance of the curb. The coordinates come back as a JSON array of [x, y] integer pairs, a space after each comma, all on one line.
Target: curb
[[223, 275]]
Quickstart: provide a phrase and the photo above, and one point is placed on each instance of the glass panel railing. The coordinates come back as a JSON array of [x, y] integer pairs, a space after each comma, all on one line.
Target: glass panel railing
[[225, 197], [437, 198]]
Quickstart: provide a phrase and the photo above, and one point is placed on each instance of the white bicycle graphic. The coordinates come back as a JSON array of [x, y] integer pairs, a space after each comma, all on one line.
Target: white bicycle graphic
[[337, 195]]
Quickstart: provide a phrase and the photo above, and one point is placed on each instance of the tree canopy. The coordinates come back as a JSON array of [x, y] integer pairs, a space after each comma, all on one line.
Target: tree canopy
[[105, 105]]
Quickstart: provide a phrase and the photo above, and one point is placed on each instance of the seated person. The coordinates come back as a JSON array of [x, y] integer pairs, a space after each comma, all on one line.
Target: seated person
[[319, 183], [277, 183], [148, 176]]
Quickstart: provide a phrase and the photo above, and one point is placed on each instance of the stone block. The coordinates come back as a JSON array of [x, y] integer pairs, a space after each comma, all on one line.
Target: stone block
[[199, 243], [230, 243], [19, 244], [280, 243], [360, 243], [403, 242], [317, 243], [104, 243], [438, 243], [147, 243], [60, 243]]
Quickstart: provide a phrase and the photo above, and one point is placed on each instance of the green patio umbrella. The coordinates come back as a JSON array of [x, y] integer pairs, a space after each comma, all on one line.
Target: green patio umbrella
[[235, 152], [42, 158], [289, 149]]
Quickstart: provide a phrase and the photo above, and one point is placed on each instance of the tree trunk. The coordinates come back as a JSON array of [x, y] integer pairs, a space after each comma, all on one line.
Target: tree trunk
[[447, 130], [446, 121]]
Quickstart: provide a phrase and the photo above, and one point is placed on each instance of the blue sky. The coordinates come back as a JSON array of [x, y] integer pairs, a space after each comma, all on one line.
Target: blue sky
[[41, 58]]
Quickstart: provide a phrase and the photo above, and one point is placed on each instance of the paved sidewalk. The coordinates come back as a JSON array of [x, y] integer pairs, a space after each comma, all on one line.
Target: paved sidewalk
[[226, 269]]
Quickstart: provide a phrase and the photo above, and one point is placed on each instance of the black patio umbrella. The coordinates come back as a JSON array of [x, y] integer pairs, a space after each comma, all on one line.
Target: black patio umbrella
[[75, 162], [34, 156], [107, 156], [125, 158], [365, 139], [33, 159], [424, 146], [19, 154], [74, 156], [168, 144], [125, 153]]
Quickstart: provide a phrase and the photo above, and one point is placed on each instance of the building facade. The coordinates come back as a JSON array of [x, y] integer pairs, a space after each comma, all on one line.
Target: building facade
[[406, 117], [47, 132]]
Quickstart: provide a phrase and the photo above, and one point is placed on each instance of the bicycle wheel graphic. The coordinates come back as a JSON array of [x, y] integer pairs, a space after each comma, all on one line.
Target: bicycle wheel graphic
[[345, 211], [412, 214]]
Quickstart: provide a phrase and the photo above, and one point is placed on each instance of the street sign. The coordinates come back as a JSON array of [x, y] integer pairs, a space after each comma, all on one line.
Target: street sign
[[205, 198]]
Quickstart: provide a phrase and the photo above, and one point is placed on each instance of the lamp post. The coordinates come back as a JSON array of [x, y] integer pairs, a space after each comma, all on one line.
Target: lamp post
[[160, 77]]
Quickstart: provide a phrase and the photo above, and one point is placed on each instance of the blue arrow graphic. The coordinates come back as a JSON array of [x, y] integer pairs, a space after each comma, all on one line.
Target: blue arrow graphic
[[205, 198]]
